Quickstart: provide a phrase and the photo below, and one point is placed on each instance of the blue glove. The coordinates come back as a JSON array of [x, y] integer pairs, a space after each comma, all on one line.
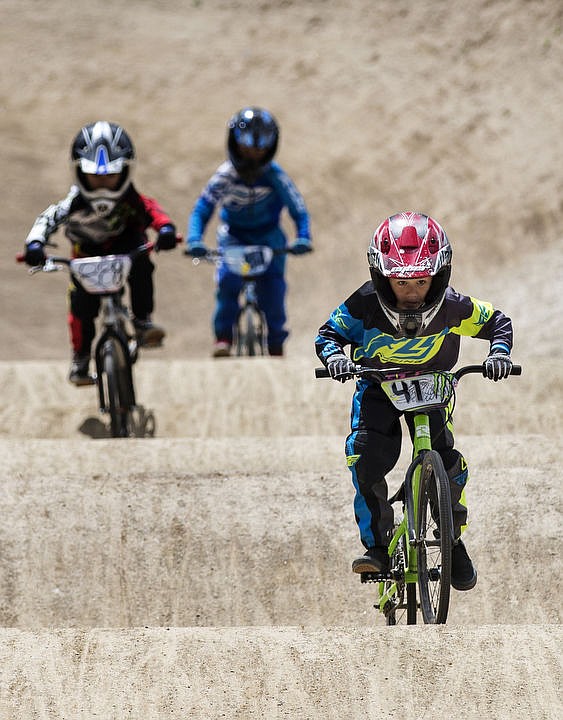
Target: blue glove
[[340, 367], [166, 239], [301, 246], [34, 253], [498, 365], [196, 249]]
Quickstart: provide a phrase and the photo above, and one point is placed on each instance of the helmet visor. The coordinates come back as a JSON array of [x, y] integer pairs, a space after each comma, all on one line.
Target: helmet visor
[[101, 165], [245, 137]]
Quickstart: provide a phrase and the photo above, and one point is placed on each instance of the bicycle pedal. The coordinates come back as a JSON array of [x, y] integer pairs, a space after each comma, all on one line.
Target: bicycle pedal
[[369, 577]]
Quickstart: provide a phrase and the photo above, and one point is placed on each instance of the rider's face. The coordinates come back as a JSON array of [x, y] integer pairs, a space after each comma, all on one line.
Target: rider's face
[[251, 153], [410, 293], [103, 182]]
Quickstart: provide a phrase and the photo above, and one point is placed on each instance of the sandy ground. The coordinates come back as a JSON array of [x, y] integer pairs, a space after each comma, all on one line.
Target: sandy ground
[[204, 573]]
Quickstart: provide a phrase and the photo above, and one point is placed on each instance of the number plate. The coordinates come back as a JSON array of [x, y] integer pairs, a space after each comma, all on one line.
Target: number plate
[[432, 390], [101, 274], [248, 260]]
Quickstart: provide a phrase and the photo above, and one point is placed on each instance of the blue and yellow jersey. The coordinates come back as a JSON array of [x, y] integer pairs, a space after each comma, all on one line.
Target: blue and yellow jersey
[[361, 323]]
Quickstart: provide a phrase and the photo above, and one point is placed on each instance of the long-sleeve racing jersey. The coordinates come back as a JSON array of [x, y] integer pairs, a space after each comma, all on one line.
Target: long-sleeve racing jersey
[[91, 234], [361, 323], [246, 208]]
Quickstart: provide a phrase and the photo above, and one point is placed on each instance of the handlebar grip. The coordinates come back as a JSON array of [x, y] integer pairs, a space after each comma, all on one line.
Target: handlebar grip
[[321, 372], [516, 370], [20, 257]]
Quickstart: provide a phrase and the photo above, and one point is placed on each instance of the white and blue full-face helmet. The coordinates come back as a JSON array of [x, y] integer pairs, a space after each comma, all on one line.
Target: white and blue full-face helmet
[[102, 148]]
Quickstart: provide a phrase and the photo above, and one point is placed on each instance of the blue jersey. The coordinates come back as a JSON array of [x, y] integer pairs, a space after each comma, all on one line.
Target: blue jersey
[[249, 211]]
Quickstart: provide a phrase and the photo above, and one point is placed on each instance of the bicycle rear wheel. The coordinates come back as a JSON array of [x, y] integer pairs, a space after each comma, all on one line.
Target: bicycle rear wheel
[[434, 536], [116, 388]]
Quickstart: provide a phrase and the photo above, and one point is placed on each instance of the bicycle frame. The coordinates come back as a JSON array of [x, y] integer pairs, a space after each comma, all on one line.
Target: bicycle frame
[[407, 528]]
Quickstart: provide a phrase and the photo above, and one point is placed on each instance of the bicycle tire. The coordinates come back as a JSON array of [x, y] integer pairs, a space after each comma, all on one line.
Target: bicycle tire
[[249, 332], [434, 540], [406, 592], [116, 389]]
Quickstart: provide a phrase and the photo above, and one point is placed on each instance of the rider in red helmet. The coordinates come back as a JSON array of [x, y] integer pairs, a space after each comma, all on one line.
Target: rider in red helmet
[[406, 316]]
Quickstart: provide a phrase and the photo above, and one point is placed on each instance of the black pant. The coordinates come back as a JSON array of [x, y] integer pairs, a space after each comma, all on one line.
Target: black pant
[[372, 450], [84, 307]]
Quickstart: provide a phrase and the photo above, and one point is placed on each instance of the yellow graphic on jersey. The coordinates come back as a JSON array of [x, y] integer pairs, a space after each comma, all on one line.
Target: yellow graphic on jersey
[[338, 317], [352, 460], [482, 311], [411, 351]]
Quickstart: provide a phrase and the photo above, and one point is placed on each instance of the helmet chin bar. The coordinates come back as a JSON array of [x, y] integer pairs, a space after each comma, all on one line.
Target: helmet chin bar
[[410, 323], [102, 206]]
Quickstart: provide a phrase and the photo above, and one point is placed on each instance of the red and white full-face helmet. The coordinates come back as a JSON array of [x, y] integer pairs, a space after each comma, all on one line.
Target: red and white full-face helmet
[[410, 245]]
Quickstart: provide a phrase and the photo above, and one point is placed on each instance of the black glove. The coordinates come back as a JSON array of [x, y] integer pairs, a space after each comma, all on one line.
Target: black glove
[[196, 249], [498, 366], [166, 239], [301, 246], [340, 367], [34, 253]]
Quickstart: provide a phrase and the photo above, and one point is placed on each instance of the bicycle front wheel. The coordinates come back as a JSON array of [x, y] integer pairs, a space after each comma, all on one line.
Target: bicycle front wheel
[[250, 332], [434, 539], [116, 387]]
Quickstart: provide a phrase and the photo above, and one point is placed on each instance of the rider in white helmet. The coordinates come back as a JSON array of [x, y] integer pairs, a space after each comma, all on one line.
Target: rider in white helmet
[[104, 214]]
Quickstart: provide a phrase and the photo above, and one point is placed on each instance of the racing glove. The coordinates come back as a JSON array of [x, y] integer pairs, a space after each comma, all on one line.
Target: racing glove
[[340, 367], [34, 253], [301, 246], [498, 365], [166, 239], [196, 248]]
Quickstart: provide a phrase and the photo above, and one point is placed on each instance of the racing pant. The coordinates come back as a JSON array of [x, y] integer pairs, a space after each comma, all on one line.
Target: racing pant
[[372, 450], [84, 307], [271, 287]]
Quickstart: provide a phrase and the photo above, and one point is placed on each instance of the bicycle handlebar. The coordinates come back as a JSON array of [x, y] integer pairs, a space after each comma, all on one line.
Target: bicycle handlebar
[[148, 247], [381, 375], [213, 255]]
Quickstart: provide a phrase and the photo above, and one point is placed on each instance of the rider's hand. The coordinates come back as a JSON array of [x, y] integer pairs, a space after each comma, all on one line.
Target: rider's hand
[[166, 239], [498, 366], [196, 249], [340, 367], [34, 253], [301, 246]]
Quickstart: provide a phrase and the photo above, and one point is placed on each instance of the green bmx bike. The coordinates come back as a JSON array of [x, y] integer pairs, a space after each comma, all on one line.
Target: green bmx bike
[[421, 546]]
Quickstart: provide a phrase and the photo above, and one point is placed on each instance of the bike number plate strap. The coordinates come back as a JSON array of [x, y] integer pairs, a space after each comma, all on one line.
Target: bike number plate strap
[[248, 260], [431, 390], [101, 274]]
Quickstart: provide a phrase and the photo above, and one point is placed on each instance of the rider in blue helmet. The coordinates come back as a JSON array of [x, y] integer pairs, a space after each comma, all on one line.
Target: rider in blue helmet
[[252, 190]]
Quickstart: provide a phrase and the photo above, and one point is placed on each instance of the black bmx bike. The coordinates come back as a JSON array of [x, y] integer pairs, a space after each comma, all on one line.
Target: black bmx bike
[[116, 346]]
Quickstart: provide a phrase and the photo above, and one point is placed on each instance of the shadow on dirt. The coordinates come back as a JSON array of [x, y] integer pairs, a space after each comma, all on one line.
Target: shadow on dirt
[[142, 425]]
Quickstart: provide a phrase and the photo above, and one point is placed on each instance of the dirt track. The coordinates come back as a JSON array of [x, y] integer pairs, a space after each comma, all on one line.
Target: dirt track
[[204, 573]]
